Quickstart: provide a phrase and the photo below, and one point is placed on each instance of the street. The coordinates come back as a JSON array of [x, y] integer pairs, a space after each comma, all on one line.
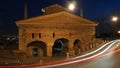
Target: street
[[106, 56], [109, 59]]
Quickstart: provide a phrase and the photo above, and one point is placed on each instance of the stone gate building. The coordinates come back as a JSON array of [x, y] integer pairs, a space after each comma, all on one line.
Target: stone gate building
[[55, 33]]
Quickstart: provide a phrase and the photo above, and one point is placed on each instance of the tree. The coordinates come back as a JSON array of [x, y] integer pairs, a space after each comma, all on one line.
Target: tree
[[103, 27], [106, 27]]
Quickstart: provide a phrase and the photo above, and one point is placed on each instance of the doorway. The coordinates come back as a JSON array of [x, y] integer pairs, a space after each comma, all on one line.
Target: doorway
[[35, 51]]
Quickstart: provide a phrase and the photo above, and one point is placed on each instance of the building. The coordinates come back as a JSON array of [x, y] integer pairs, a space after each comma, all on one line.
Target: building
[[57, 32]]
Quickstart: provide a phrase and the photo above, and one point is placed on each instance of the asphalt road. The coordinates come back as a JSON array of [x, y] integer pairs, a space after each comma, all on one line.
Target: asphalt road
[[109, 59]]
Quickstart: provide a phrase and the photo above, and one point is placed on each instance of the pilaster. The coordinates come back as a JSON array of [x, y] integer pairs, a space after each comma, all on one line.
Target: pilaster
[[49, 50]]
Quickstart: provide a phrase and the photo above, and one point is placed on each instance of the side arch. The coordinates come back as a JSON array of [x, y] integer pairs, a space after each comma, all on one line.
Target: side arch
[[36, 48]]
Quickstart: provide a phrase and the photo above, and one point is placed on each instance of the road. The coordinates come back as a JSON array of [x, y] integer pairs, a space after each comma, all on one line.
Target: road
[[107, 56], [109, 59]]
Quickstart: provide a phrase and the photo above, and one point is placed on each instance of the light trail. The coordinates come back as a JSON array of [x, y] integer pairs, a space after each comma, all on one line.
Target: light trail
[[75, 61], [113, 52], [113, 48], [94, 51]]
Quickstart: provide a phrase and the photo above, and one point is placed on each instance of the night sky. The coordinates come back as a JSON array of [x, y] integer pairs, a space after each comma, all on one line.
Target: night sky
[[12, 10]]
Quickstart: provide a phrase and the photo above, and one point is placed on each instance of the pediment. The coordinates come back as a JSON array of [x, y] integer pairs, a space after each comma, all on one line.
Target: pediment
[[62, 17]]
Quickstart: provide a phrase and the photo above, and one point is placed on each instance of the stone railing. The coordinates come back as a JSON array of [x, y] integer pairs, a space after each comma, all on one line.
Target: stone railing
[[92, 46]]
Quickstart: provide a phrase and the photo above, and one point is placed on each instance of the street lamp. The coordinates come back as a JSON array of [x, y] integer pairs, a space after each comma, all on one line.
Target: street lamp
[[114, 18], [114, 26], [119, 34]]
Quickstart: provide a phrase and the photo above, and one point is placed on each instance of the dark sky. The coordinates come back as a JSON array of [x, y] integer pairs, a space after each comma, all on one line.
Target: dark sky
[[12, 10]]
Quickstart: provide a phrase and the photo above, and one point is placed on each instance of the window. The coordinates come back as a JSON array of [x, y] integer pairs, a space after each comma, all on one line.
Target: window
[[39, 35], [70, 34], [32, 35], [53, 35]]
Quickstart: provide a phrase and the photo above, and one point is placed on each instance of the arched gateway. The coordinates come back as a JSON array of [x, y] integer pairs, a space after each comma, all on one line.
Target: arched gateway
[[36, 48], [55, 33], [60, 47]]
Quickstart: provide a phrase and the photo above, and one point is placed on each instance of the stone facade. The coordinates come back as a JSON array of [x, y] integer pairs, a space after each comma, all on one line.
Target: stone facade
[[39, 35]]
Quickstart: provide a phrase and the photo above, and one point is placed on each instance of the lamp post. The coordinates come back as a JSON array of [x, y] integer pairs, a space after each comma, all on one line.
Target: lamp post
[[118, 33], [114, 19]]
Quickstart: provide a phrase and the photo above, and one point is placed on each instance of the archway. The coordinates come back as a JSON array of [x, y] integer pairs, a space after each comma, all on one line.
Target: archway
[[60, 47], [36, 48], [77, 46]]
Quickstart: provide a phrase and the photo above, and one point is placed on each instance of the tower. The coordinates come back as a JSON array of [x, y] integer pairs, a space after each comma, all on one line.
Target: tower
[[25, 11], [81, 12]]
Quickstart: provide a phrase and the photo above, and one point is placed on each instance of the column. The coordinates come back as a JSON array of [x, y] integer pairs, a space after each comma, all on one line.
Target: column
[[71, 51], [49, 50]]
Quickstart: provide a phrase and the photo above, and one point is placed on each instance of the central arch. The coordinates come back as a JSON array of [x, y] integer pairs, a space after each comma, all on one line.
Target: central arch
[[36, 48], [60, 47]]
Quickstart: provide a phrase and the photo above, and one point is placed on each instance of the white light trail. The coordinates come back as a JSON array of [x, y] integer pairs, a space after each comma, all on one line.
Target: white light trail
[[112, 43], [94, 51]]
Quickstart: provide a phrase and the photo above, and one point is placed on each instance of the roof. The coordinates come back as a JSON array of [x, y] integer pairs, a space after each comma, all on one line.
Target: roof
[[58, 17], [54, 8]]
